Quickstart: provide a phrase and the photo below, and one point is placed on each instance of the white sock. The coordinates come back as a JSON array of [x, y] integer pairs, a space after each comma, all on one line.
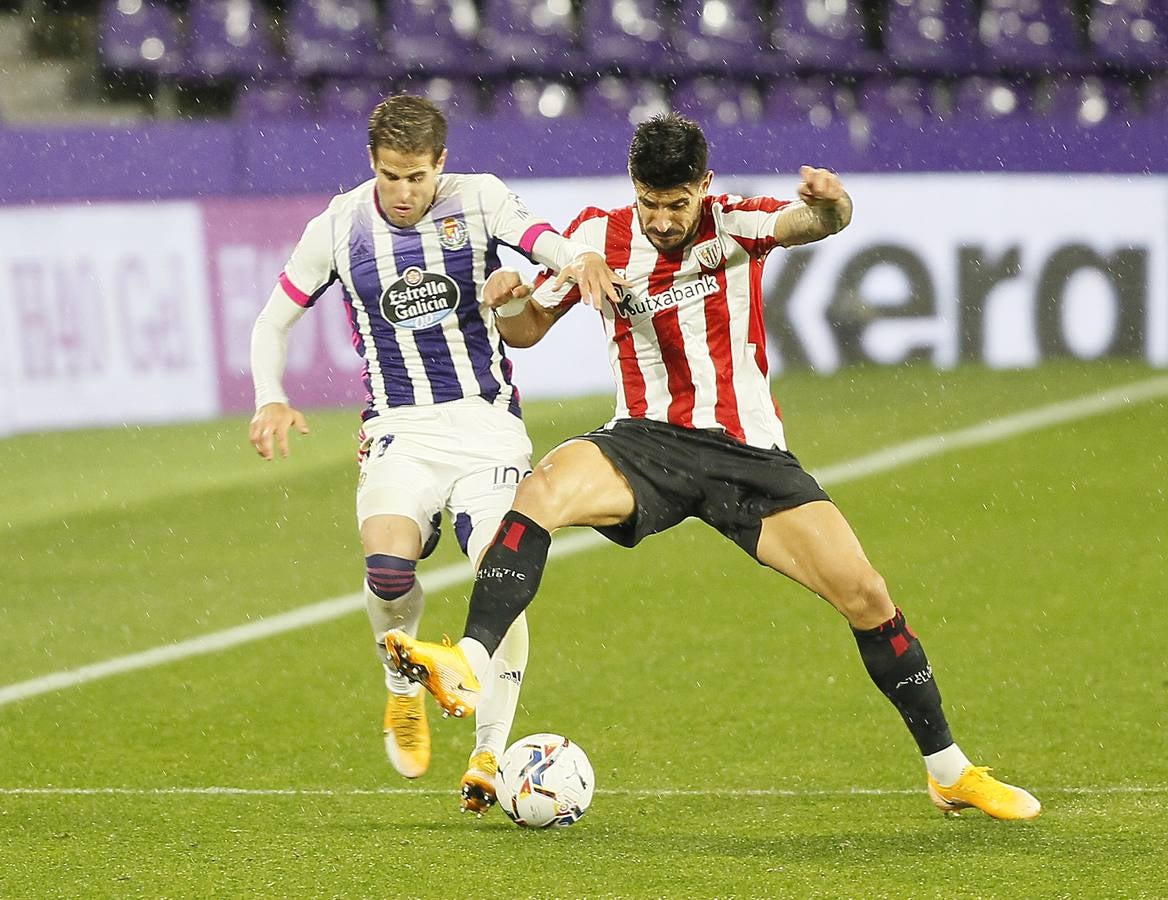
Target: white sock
[[947, 765], [404, 612], [496, 709], [478, 657]]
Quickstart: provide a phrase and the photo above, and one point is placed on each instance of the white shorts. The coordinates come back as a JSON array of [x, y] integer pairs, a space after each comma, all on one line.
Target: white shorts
[[466, 456]]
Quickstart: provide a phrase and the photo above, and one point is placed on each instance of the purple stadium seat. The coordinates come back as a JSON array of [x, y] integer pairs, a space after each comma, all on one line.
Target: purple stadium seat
[[990, 99], [896, 100], [724, 37], [633, 100], [1030, 36], [718, 101], [267, 100], [351, 99], [815, 101], [1084, 101], [932, 35], [139, 36], [332, 37], [627, 36], [532, 36], [1129, 34], [228, 39], [534, 98], [1155, 99], [457, 98], [439, 37], [829, 35]]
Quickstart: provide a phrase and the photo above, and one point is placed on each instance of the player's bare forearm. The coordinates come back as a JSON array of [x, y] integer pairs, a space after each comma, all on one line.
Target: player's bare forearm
[[826, 209], [803, 224], [527, 328]]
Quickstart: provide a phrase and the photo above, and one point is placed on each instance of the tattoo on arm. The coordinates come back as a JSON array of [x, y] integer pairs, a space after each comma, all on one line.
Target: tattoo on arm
[[802, 224]]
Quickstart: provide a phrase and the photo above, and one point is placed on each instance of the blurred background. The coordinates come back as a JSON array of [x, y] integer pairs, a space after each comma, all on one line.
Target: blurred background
[[160, 157]]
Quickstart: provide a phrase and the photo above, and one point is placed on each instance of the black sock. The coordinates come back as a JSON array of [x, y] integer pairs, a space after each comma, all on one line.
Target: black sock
[[896, 662], [507, 579]]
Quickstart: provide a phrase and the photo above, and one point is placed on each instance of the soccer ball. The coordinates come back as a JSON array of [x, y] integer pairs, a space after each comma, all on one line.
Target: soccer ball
[[544, 780]]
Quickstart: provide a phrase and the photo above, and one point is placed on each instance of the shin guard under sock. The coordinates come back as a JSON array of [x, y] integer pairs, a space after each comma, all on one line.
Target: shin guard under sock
[[507, 578], [896, 662]]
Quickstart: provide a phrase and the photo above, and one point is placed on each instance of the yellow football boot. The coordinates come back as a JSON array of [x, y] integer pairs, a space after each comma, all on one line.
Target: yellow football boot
[[478, 784], [407, 734], [976, 788], [441, 669]]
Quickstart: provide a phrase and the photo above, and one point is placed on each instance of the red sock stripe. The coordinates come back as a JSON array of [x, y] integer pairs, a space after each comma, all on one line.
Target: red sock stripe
[[514, 536]]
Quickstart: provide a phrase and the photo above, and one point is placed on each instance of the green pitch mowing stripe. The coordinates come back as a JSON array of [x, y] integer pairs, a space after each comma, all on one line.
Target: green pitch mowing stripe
[[903, 454]]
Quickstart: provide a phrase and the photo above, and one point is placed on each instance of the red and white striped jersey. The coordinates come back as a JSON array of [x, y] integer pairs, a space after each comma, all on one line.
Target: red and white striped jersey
[[687, 343]]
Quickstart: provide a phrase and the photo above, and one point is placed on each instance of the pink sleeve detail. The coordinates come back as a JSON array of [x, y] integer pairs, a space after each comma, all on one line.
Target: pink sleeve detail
[[294, 293], [528, 240]]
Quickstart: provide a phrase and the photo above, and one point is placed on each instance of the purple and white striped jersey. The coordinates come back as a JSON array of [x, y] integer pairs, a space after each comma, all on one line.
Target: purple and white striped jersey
[[412, 294]]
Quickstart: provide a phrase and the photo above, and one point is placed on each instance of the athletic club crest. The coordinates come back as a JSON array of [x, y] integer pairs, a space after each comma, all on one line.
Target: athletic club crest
[[452, 233], [709, 253]]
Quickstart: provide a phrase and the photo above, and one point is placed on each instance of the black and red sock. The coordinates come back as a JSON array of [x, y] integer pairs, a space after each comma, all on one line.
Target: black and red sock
[[896, 662], [507, 578]]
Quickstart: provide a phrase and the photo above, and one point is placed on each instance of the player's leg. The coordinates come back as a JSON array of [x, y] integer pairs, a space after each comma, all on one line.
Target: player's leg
[[575, 484], [396, 502], [814, 544], [478, 501]]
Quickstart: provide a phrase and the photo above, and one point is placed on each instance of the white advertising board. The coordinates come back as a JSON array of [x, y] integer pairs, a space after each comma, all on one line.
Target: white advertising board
[[103, 316]]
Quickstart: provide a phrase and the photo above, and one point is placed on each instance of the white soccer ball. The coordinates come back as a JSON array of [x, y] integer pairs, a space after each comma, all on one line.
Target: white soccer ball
[[544, 780]]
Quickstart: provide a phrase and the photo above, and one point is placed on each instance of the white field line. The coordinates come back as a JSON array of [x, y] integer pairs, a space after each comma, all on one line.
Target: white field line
[[987, 432], [647, 793]]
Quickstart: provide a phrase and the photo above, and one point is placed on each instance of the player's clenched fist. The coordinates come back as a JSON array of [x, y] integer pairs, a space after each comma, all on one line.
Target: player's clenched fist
[[503, 286], [819, 186]]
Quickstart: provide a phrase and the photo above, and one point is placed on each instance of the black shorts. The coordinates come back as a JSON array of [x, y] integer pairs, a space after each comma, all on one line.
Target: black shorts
[[680, 472]]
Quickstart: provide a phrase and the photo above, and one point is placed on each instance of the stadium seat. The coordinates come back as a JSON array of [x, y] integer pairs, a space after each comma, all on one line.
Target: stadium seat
[[228, 39], [332, 37], [264, 100], [825, 35], [987, 98], [437, 37], [632, 100], [724, 37], [903, 100], [1129, 34], [139, 36], [534, 98], [814, 101], [1084, 101], [1154, 105], [536, 37], [351, 99], [1030, 36], [719, 101], [932, 35], [627, 37], [456, 97]]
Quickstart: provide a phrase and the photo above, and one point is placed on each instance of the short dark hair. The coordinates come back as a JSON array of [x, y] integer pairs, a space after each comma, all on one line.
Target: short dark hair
[[668, 151], [407, 124]]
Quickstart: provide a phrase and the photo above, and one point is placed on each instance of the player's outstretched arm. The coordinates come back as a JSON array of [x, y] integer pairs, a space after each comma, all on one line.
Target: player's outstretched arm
[[520, 322], [269, 350], [826, 209]]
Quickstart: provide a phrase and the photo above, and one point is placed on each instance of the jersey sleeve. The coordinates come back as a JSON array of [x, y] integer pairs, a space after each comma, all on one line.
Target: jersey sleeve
[[508, 217], [311, 268], [751, 221]]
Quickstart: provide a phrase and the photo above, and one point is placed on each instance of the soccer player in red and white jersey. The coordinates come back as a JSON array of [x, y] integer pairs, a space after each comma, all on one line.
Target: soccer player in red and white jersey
[[412, 248], [695, 433]]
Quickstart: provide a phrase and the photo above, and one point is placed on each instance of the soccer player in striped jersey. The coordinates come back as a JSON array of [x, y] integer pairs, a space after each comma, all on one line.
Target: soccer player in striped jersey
[[412, 248], [696, 433]]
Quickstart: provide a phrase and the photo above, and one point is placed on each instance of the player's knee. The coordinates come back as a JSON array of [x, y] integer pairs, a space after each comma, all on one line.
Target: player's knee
[[866, 602], [541, 497], [390, 577]]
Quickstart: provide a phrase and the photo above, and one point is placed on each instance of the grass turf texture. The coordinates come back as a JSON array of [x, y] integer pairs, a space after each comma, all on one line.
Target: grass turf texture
[[1032, 568]]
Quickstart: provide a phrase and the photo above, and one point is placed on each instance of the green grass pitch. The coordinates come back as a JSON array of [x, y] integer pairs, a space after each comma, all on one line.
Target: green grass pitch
[[740, 749]]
